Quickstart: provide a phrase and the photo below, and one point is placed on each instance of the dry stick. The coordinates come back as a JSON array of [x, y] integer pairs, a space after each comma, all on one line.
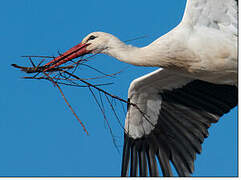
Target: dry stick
[[32, 62], [40, 56], [103, 112], [91, 78], [102, 104], [137, 38], [113, 110], [40, 69], [72, 109], [67, 102], [67, 84], [91, 85], [96, 70], [124, 110], [76, 84], [82, 61], [35, 66]]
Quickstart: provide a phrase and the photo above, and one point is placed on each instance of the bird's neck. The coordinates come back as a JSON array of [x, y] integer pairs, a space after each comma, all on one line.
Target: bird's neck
[[127, 53], [145, 56]]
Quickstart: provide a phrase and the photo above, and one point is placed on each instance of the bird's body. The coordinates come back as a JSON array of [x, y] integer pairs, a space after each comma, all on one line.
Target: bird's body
[[177, 104], [211, 59]]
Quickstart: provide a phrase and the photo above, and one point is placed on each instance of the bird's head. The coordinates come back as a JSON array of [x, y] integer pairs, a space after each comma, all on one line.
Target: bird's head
[[95, 42]]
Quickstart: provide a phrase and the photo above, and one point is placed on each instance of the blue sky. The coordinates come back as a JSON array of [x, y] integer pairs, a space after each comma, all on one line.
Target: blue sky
[[39, 136]]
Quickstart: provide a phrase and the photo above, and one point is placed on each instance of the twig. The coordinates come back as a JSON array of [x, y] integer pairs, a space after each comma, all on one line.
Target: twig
[[105, 118], [113, 110], [40, 56], [91, 85], [68, 103], [40, 68]]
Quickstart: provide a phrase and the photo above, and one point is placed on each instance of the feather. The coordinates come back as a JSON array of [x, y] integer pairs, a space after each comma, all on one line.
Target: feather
[[142, 160]]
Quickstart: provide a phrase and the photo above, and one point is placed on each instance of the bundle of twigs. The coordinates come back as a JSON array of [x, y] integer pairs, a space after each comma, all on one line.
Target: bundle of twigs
[[66, 75]]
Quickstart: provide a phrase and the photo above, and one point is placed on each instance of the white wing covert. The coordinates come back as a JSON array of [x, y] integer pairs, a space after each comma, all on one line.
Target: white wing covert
[[218, 14], [171, 123]]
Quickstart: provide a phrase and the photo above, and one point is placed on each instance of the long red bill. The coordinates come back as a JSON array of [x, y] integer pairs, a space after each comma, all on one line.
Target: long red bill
[[74, 52]]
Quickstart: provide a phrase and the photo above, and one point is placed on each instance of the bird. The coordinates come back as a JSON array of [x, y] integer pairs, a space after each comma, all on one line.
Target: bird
[[170, 110]]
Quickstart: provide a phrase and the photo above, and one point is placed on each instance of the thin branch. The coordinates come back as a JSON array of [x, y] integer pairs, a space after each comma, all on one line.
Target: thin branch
[[68, 103], [96, 70], [39, 56], [91, 85], [114, 111], [40, 68], [105, 118], [137, 38]]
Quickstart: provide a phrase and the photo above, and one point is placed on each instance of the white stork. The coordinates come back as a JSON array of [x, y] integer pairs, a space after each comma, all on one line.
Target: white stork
[[195, 85]]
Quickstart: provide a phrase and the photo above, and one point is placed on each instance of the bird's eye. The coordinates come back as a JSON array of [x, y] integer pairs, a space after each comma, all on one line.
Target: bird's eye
[[91, 37]]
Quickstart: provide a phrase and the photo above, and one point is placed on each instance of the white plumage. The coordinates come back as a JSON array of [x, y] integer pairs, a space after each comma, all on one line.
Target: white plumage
[[177, 104]]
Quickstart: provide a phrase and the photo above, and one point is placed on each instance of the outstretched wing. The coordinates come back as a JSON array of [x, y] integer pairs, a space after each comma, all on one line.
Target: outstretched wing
[[218, 14], [170, 121]]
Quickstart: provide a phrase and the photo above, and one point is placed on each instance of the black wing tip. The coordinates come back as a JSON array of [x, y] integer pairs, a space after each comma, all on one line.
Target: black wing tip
[[204, 104]]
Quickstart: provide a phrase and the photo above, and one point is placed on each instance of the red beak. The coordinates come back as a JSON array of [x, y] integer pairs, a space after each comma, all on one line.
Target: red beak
[[74, 52]]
